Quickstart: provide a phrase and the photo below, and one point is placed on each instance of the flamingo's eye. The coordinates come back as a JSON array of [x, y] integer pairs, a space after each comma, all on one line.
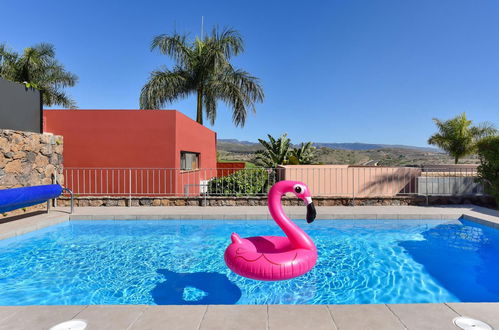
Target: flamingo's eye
[[299, 189]]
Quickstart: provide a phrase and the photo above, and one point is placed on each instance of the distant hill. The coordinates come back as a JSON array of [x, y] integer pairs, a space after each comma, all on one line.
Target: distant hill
[[348, 153], [235, 145], [236, 141], [368, 146]]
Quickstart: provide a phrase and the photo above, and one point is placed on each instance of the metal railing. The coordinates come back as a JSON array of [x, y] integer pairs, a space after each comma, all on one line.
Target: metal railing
[[335, 181], [71, 196], [168, 181]]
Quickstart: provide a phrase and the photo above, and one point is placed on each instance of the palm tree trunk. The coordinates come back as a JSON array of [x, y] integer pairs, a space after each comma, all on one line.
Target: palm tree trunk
[[199, 117]]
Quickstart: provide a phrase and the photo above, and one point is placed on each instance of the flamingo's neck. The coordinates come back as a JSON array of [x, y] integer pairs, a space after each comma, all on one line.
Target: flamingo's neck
[[297, 237]]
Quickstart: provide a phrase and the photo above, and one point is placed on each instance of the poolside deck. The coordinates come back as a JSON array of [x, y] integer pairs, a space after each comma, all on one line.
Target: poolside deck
[[282, 317], [391, 316]]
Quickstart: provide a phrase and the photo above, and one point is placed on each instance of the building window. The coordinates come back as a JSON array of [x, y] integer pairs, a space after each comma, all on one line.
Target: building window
[[189, 160]]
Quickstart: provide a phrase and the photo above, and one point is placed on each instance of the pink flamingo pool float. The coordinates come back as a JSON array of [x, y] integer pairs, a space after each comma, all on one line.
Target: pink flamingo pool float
[[276, 258]]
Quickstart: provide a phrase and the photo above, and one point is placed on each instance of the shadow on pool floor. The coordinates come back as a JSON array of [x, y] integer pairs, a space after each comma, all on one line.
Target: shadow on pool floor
[[463, 259], [205, 288]]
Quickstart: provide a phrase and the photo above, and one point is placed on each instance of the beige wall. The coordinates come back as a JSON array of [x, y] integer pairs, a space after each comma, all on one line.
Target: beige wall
[[358, 181]]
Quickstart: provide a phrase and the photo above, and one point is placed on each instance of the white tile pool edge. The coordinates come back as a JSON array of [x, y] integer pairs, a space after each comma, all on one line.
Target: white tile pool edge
[[22, 226]]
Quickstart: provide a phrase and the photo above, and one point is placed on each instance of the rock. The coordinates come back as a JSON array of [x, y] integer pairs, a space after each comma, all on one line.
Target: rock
[[41, 161], [96, 202], [180, 202], [4, 145], [46, 150], [26, 169], [111, 202], [13, 167], [156, 202], [30, 156], [49, 170], [46, 138], [54, 159], [83, 202], [46, 181], [9, 180], [15, 147], [60, 178], [19, 155], [33, 143], [34, 177]]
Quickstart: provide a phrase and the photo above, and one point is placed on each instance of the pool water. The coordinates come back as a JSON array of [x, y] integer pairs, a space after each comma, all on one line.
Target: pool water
[[181, 262]]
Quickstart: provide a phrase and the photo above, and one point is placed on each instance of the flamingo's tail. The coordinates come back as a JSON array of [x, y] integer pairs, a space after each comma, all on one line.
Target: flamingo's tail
[[236, 239]]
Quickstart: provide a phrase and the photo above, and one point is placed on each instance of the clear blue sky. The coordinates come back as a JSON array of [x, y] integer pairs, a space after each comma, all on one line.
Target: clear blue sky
[[333, 71]]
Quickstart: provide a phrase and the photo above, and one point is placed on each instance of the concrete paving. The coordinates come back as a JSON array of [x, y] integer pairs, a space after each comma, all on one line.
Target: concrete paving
[[252, 317]]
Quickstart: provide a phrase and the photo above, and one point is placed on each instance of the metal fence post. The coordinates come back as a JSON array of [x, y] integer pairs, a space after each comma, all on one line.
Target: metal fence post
[[129, 187], [426, 180], [353, 186]]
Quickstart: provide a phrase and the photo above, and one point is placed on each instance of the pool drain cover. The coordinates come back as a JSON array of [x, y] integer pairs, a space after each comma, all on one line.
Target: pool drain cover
[[467, 323], [70, 325]]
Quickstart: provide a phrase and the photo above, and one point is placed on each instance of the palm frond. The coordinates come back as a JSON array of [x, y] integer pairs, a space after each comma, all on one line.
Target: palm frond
[[164, 86], [458, 137], [207, 72], [275, 151], [37, 66], [239, 90], [210, 105], [304, 154], [174, 46]]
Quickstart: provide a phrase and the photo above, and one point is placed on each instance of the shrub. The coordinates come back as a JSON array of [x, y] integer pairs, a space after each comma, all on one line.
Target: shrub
[[488, 171], [241, 183]]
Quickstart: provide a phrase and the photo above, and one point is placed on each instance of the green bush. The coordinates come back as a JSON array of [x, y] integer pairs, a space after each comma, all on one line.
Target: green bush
[[241, 183], [488, 171]]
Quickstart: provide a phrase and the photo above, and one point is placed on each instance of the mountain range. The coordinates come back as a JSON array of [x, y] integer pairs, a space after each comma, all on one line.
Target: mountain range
[[235, 144]]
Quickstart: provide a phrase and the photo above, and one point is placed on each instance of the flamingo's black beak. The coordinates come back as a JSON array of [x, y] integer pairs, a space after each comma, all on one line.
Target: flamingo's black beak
[[311, 213]]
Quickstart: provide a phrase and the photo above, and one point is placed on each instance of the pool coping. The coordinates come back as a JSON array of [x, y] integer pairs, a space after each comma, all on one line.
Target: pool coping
[[15, 226]]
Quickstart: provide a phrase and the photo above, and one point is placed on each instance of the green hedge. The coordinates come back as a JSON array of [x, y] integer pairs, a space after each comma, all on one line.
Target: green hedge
[[241, 183], [488, 171]]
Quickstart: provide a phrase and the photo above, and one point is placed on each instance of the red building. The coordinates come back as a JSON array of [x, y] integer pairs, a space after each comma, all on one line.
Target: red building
[[134, 152]]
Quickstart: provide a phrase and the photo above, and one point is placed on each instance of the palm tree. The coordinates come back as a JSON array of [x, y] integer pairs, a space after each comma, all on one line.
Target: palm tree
[[202, 67], [304, 154], [457, 137], [37, 67], [275, 151]]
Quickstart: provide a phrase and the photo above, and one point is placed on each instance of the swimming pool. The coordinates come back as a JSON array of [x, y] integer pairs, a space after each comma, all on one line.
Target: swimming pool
[[181, 262]]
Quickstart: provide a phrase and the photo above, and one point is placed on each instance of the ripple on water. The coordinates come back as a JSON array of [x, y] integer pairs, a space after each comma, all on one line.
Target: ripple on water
[[151, 262]]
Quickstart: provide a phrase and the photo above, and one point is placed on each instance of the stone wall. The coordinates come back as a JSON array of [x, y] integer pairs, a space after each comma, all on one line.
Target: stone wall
[[262, 201], [29, 159]]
